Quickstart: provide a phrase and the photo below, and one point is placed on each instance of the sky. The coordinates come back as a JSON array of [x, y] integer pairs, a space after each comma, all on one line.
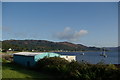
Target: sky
[[60, 0], [87, 23], [0, 21]]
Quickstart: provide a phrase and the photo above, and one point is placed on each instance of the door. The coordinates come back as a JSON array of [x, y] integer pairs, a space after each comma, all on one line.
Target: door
[[28, 63]]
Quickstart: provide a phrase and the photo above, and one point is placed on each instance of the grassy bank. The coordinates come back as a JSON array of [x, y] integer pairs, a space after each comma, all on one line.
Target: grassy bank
[[10, 71]]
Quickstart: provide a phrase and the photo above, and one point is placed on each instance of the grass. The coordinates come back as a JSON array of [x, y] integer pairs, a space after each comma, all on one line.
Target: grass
[[15, 71]]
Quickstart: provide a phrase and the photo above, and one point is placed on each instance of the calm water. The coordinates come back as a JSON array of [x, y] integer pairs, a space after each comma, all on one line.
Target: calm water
[[94, 57]]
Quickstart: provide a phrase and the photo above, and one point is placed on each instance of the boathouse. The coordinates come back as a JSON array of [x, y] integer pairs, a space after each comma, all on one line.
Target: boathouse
[[30, 58]]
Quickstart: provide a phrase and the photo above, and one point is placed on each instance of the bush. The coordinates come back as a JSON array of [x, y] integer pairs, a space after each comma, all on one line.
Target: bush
[[51, 63], [7, 57], [78, 70], [4, 61]]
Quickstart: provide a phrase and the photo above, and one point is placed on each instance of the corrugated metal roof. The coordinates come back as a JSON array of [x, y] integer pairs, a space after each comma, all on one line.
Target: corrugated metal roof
[[28, 53]]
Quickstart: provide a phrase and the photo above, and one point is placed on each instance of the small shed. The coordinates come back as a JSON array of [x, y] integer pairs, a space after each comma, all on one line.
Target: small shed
[[29, 59]]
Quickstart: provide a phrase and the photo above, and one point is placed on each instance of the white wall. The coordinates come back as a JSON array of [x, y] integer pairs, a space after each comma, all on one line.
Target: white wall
[[69, 58]]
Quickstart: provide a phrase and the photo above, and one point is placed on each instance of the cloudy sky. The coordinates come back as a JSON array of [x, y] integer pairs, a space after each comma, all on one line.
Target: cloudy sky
[[91, 24]]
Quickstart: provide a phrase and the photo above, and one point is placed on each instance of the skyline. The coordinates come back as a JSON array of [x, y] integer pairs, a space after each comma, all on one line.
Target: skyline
[[91, 24], [60, 0]]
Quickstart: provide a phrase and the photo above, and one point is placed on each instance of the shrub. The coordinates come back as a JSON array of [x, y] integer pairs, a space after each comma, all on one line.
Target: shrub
[[78, 70], [7, 57], [51, 62], [4, 61], [112, 67]]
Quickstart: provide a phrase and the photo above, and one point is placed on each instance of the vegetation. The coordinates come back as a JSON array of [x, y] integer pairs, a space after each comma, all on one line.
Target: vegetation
[[7, 58], [61, 69], [78, 70], [12, 71], [52, 64]]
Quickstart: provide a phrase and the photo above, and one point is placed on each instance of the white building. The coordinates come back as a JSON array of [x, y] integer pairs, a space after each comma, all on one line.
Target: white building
[[68, 57]]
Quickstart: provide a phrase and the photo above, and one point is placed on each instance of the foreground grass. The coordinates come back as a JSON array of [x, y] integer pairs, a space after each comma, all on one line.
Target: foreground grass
[[15, 71]]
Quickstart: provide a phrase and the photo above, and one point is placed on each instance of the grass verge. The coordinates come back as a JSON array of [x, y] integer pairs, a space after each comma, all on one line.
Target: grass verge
[[12, 71]]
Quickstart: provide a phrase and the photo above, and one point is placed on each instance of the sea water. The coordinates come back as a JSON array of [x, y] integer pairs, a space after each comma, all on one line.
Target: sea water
[[94, 57]]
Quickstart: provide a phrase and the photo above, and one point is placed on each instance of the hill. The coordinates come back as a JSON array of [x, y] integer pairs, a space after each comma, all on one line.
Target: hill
[[112, 48], [43, 45]]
